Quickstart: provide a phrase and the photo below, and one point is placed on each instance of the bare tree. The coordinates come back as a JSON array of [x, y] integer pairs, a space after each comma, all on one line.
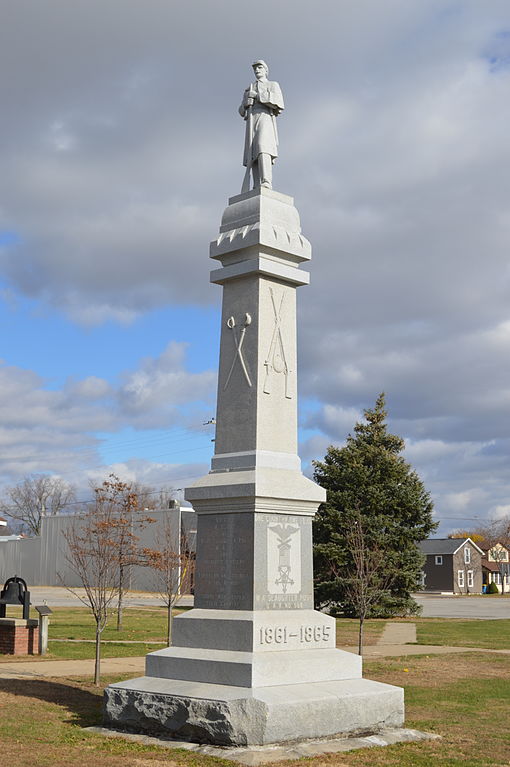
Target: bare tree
[[172, 565], [123, 498], [369, 579], [36, 496], [150, 499], [92, 556]]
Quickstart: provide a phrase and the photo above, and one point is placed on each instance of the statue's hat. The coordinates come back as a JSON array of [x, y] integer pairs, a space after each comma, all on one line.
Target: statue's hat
[[261, 61]]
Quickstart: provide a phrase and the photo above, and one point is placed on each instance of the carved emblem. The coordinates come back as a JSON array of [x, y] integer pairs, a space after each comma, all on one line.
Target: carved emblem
[[276, 361], [238, 341], [284, 534]]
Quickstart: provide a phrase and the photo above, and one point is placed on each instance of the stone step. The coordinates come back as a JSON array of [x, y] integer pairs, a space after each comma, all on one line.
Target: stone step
[[244, 669]]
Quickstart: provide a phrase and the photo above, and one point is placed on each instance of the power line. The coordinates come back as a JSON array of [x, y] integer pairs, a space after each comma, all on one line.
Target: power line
[[99, 447], [55, 456], [87, 501]]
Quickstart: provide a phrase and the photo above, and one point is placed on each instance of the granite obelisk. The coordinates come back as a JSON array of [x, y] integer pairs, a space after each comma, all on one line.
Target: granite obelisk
[[253, 663]]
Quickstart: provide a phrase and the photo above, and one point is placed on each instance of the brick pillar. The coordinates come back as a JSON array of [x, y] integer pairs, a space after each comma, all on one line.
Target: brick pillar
[[19, 637]]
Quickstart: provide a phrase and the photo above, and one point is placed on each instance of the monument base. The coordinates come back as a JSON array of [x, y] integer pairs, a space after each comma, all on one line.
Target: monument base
[[224, 715]]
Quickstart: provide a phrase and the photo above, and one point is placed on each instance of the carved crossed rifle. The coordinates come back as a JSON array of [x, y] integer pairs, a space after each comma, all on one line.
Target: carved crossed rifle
[[276, 361]]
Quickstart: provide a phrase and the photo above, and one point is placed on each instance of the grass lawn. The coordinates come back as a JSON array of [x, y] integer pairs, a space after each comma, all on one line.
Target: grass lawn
[[465, 698], [457, 632], [87, 650], [139, 627], [347, 631], [139, 624]]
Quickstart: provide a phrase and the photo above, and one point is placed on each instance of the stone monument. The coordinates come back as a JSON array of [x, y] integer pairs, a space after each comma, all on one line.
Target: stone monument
[[253, 663]]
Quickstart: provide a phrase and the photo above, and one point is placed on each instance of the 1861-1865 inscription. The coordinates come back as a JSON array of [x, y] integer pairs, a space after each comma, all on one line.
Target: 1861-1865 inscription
[[305, 634]]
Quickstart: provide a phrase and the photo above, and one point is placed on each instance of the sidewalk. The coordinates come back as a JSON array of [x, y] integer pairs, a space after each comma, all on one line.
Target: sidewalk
[[66, 668]]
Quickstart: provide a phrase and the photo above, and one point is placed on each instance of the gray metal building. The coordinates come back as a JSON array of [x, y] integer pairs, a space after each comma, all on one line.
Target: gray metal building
[[41, 560]]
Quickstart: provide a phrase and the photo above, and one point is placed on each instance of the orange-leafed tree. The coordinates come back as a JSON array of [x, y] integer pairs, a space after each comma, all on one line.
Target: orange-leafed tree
[[172, 565]]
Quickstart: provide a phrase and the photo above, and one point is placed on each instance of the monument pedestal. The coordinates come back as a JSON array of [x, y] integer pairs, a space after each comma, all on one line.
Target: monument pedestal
[[223, 691], [253, 663]]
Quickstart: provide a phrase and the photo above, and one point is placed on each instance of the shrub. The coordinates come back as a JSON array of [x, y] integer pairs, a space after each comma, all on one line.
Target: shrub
[[492, 589]]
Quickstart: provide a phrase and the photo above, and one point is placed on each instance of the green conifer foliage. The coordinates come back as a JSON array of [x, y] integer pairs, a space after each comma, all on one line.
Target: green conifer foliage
[[369, 477]]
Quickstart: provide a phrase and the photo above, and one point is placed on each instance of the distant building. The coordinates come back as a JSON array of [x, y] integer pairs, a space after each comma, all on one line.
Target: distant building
[[41, 559], [6, 532], [496, 567], [452, 566]]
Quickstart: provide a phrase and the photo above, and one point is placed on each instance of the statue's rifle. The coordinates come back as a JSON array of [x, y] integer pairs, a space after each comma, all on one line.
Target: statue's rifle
[[248, 142]]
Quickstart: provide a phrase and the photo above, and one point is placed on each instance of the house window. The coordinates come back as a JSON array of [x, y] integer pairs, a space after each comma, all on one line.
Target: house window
[[470, 579], [467, 555], [496, 578], [439, 560], [460, 579]]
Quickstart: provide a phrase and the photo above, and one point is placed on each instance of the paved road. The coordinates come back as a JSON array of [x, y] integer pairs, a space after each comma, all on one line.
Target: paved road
[[433, 606], [464, 607], [57, 596]]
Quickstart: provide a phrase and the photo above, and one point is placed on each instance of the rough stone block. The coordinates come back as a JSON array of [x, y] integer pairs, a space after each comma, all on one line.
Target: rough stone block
[[236, 716]]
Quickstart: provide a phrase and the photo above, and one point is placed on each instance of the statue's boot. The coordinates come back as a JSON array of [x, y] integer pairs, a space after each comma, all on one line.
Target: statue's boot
[[263, 171], [265, 163]]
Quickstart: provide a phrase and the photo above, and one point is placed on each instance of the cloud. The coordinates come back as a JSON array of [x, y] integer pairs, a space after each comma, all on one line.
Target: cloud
[[335, 421], [501, 511], [465, 500], [153, 474], [118, 163], [121, 143], [56, 430], [152, 395]]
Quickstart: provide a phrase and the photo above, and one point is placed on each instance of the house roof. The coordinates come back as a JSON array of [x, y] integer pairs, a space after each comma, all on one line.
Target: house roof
[[496, 545], [493, 567], [445, 545]]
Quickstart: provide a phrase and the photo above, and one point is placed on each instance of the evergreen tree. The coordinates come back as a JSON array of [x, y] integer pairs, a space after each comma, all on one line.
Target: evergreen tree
[[369, 477]]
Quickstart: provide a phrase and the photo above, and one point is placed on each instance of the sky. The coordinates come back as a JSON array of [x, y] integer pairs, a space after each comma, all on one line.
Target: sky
[[120, 143]]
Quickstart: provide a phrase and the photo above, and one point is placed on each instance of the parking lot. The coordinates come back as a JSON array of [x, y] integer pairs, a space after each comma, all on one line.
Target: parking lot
[[486, 607]]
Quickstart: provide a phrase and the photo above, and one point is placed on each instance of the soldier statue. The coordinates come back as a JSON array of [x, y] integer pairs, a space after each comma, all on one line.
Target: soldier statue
[[262, 102]]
